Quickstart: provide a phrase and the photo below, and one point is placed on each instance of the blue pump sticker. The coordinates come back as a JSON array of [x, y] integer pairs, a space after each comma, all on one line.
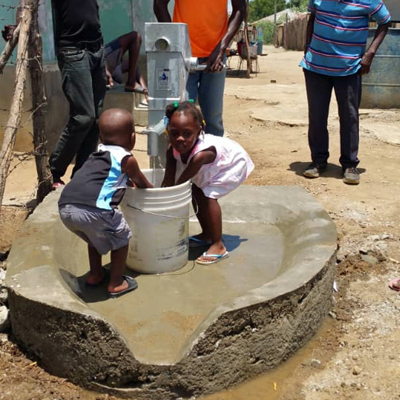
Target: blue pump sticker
[[163, 79]]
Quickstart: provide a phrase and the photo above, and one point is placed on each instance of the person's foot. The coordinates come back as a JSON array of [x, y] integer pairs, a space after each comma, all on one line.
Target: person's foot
[[57, 182], [127, 285], [136, 89], [208, 258], [351, 176], [215, 253], [394, 284], [97, 278], [314, 170]]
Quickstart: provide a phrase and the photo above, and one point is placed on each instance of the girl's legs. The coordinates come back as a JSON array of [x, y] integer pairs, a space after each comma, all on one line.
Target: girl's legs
[[97, 273], [200, 203], [210, 218], [118, 262]]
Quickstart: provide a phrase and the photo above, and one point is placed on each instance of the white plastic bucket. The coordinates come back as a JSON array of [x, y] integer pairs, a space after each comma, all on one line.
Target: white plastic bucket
[[159, 221]]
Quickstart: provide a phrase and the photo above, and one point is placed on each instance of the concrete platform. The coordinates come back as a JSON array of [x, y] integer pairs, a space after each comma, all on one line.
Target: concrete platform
[[198, 330]]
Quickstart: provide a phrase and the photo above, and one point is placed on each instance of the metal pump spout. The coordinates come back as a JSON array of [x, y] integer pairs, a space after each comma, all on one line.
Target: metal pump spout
[[153, 134]]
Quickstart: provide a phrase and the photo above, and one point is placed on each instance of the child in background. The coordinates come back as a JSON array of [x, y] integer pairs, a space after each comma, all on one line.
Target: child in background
[[216, 166], [88, 203]]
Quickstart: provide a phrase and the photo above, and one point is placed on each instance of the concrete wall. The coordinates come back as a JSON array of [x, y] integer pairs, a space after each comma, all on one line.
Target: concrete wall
[[56, 111]]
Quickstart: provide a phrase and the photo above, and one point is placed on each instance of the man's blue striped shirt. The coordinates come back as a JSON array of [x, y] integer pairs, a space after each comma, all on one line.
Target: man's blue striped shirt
[[340, 34]]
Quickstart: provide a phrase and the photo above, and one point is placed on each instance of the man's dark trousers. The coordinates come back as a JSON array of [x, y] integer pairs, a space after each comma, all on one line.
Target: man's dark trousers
[[84, 85], [348, 96]]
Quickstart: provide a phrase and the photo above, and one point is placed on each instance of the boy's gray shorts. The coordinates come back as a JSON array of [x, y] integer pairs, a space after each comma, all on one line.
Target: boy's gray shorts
[[105, 230]]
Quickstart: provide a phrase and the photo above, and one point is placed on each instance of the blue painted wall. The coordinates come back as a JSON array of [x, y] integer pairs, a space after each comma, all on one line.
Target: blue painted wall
[[117, 17]]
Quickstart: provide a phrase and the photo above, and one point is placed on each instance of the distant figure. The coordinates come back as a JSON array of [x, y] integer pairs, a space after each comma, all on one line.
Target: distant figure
[[88, 204], [216, 166], [335, 58], [210, 32], [115, 51]]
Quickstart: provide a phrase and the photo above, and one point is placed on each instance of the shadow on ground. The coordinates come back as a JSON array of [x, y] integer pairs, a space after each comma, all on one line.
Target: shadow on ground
[[231, 243], [90, 294], [332, 171]]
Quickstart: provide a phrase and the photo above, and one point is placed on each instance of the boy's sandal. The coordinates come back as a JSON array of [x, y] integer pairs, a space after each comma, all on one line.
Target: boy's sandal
[[132, 285], [196, 242], [216, 258]]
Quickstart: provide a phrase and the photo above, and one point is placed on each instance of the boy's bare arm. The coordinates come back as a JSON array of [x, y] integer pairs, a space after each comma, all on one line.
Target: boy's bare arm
[[200, 159], [170, 169], [131, 167]]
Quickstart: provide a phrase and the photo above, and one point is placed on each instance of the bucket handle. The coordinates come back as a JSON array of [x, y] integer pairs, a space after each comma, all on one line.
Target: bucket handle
[[164, 215]]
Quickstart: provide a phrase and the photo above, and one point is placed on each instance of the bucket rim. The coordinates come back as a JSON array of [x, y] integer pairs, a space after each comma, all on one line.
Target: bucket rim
[[183, 204]]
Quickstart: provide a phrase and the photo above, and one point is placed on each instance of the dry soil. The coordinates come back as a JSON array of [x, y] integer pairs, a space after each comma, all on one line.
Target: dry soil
[[354, 355]]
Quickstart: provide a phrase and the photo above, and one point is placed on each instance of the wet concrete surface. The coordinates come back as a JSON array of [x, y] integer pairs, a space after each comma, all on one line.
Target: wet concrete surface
[[281, 243]]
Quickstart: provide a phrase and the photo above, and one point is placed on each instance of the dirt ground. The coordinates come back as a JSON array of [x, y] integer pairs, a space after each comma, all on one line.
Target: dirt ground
[[354, 355]]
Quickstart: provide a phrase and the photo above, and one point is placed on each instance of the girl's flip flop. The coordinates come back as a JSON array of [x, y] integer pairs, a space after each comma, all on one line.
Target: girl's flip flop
[[216, 257]]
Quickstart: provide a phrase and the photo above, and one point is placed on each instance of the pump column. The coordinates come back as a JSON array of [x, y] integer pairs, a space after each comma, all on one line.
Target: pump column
[[169, 60]]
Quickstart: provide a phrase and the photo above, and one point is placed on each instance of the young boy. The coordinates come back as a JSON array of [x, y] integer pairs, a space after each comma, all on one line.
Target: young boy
[[88, 203]]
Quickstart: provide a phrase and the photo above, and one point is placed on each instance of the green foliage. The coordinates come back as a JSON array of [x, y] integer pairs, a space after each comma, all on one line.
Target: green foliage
[[299, 5], [263, 8]]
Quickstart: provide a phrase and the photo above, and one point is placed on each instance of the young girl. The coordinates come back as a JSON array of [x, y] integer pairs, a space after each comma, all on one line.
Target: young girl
[[216, 166]]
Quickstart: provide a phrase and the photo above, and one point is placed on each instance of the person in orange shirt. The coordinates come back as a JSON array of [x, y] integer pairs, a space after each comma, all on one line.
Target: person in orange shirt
[[210, 32]]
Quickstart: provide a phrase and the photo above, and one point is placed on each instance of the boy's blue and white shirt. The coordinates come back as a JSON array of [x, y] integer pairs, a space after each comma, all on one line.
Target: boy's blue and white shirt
[[100, 182], [340, 34]]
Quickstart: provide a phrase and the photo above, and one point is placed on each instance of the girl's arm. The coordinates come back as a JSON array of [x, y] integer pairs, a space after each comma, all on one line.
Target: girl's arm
[[131, 167], [170, 169], [203, 157]]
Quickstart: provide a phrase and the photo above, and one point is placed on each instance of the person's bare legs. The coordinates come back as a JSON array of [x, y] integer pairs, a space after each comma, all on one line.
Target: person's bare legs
[[97, 273], [141, 81], [118, 262], [200, 204], [210, 219], [131, 42]]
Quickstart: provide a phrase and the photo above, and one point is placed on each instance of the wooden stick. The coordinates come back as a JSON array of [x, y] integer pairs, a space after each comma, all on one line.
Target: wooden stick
[[246, 39], [39, 103], [14, 119], [9, 48]]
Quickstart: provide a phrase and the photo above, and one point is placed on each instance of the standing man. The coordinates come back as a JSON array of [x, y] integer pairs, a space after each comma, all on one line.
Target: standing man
[[210, 33], [335, 58], [81, 59]]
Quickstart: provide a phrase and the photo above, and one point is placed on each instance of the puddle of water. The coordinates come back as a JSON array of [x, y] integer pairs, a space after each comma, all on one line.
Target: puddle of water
[[269, 386]]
